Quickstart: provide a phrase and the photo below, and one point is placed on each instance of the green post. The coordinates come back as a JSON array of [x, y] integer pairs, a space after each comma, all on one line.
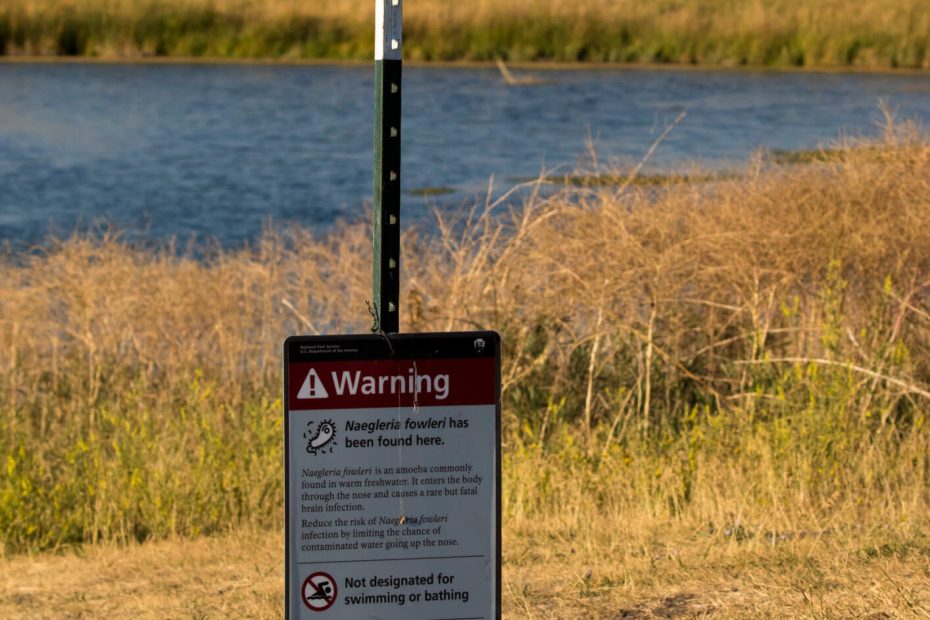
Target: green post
[[386, 229]]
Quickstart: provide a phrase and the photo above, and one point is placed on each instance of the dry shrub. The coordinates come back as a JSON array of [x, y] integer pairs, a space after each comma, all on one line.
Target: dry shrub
[[752, 349], [701, 277]]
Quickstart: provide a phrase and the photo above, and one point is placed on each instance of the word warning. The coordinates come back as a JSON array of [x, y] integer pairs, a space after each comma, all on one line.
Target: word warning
[[392, 476]]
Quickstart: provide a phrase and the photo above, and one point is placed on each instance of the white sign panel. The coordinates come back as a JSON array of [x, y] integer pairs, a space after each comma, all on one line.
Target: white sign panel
[[393, 477]]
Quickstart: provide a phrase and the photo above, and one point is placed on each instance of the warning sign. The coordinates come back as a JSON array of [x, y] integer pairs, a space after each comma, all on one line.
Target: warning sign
[[393, 476]]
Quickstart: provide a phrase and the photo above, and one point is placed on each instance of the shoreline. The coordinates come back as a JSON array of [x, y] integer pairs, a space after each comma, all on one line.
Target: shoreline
[[546, 65]]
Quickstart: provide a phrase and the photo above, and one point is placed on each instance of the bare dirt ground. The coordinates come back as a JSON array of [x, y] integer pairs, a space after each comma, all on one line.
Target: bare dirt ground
[[546, 575]]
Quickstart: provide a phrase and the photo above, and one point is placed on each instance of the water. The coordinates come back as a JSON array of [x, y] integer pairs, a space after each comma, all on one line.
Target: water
[[220, 151]]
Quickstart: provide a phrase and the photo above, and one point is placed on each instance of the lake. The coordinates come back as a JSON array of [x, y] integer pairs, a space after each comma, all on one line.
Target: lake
[[220, 151]]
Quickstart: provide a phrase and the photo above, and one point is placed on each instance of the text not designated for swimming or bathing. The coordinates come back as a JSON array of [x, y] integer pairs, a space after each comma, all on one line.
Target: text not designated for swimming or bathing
[[393, 476]]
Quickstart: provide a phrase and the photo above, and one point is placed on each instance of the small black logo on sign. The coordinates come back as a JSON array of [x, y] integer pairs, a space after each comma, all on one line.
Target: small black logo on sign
[[321, 441]]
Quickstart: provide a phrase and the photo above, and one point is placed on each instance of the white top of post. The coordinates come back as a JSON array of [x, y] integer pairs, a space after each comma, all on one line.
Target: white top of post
[[388, 22]]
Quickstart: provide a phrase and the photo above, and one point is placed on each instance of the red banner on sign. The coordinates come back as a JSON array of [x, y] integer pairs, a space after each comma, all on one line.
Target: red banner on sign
[[392, 383]]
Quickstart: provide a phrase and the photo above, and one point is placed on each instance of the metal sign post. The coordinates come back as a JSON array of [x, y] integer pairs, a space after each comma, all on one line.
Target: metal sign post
[[392, 441], [386, 229]]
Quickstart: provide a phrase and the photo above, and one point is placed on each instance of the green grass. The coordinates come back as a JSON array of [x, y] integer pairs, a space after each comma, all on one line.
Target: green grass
[[198, 32], [430, 191], [614, 179], [794, 33]]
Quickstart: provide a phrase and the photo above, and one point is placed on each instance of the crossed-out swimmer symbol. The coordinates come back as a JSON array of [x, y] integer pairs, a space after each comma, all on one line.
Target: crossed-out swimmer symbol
[[319, 591]]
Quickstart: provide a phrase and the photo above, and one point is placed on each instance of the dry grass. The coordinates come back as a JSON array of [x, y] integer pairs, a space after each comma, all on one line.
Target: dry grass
[[783, 32], [710, 386], [163, 365], [663, 570], [652, 570], [237, 576]]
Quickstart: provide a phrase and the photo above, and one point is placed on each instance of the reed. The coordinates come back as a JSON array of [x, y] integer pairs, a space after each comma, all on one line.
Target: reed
[[749, 356], [735, 32]]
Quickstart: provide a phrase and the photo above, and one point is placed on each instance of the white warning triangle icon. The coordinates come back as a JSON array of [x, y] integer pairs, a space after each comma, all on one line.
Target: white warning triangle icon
[[313, 387]]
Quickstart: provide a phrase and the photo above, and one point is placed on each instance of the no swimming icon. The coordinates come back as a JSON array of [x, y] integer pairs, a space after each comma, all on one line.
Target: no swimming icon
[[319, 591]]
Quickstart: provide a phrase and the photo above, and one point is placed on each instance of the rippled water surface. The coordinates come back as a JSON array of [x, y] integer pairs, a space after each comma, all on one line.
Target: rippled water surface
[[219, 151]]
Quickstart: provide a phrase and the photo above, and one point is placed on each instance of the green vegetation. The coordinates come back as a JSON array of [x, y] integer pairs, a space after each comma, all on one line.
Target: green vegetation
[[749, 356], [430, 191], [615, 179], [707, 32]]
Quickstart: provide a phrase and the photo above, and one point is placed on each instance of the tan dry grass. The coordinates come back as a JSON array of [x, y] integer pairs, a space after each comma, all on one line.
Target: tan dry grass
[[236, 576], [610, 569], [640, 569]]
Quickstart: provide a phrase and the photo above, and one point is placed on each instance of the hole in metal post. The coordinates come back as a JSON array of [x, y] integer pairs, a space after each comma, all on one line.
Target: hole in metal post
[[393, 132], [392, 264], [393, 175], [392, 307], [394, 44], [392, 220], [393, 87]]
